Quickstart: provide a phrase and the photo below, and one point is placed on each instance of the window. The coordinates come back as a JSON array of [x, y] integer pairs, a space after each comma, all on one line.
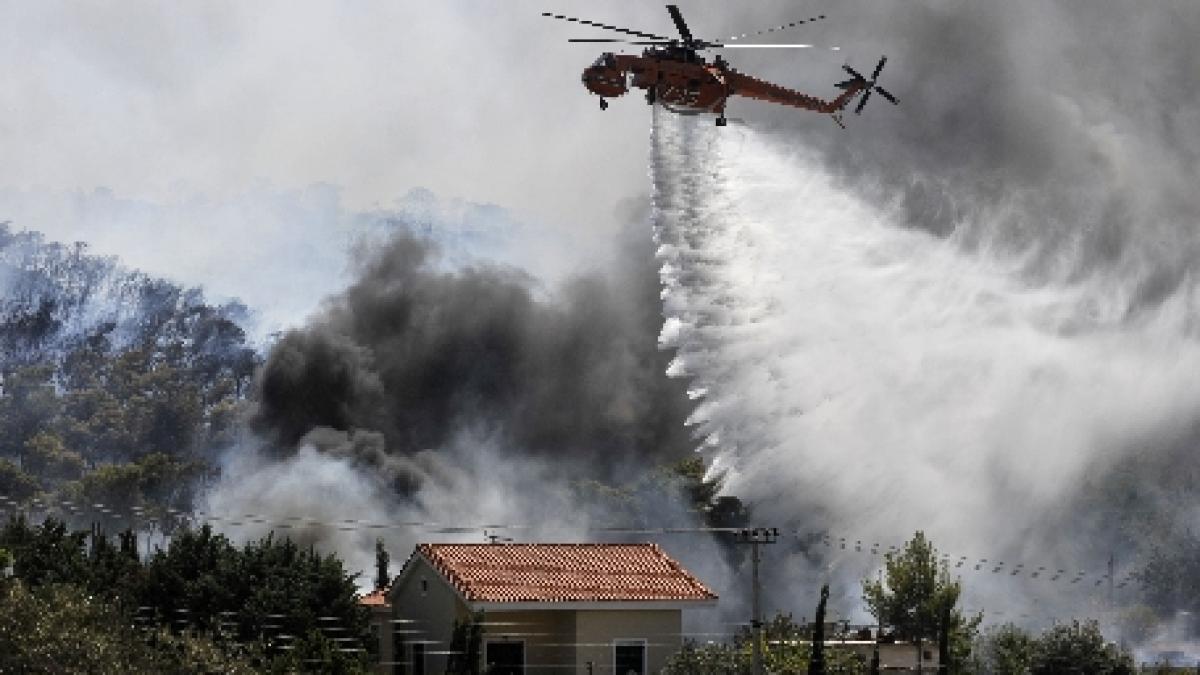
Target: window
[[424, 586], [504, 657], [629, 657]]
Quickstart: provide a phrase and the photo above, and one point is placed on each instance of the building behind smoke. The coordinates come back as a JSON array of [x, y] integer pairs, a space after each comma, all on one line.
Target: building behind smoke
[[546, 608]]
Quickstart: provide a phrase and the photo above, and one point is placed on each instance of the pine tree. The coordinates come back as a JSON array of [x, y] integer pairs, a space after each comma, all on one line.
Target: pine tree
[[382, 578], [816, 663]]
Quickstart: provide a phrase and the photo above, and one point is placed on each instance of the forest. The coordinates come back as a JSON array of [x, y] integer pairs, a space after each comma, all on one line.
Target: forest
[[121, 392]]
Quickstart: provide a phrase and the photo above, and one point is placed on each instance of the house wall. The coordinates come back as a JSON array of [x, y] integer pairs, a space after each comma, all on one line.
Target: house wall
[[381, 625], [549, 637], [431, 612], [595, 632], [896, 655]]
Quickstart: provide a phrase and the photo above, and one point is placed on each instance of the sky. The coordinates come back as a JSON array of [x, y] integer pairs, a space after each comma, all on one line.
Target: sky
[[1045, 154], [470, 100], [240, 146]]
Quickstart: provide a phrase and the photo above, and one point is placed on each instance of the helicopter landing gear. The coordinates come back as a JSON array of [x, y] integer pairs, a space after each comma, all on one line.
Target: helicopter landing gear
[[603, 104]]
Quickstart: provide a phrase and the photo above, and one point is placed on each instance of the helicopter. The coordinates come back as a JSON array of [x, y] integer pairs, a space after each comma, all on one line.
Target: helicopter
[[674, 74]]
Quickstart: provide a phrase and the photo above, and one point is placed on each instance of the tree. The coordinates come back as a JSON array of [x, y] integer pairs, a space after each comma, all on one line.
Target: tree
[[382, 578], [315, 652], [816, 662], [15, 483], [47, 457], [29, 404], [465, 640], [1003, 650], [115, 572], [1078, 648], [918, 600], [45, 554], [59, 628], [194, 579]]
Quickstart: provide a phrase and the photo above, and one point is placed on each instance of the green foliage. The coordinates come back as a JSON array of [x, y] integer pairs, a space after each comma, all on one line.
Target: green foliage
[[1003, 650], [115, 572], [713, 658], [269, 588], [1078, 648], [60, 629], [314, 652], [786, 649], [47, 553], [6, 560], [155, 479], [46, 457], [918, 600], [465, 640], [201, 582], [29, 404], [142, 414], [15, 483]]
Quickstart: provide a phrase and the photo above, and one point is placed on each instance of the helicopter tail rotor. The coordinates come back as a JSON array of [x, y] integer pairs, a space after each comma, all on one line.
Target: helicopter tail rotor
[[867, 86]]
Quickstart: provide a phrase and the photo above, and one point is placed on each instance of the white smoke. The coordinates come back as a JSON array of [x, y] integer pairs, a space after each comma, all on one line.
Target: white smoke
[[870, 380], [474, 487]]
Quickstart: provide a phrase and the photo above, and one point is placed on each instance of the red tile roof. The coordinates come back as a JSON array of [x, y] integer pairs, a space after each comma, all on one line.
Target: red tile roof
[[563, 572], [376, 598]]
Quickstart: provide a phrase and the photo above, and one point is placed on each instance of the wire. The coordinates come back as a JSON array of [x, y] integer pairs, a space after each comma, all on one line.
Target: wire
[[1058, 574]]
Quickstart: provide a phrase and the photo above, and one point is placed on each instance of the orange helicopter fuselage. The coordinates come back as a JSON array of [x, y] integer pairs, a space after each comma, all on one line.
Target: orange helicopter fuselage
[[686, 83]]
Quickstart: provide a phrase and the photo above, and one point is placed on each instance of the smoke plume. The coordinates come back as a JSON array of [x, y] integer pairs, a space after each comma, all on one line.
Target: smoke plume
[[419, 353]]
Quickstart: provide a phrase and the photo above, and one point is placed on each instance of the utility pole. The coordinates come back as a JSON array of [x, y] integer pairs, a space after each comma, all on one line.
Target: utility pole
[[756, 537]]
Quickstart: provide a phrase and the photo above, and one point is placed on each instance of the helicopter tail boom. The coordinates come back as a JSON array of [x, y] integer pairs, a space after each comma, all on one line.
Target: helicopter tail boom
[[751, 87]]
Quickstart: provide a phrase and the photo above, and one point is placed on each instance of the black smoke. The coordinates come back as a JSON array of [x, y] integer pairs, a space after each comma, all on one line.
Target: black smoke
[[416, 354]]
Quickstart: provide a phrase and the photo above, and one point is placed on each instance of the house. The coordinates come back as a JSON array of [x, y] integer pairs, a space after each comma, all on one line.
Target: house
[[893, 655], [545, 608], [380, 622]]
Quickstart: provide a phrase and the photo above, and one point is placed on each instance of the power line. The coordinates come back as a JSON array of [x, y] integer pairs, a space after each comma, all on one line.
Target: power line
[[162, 517]]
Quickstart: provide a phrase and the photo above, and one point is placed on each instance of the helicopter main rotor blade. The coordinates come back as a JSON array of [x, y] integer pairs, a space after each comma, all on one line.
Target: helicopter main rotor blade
[[620, 41], [605, 26], [884, 93], [862, 103], [795, 46], [875, 75], [679, 24], [782, 27], [854, 72], [846, 84]]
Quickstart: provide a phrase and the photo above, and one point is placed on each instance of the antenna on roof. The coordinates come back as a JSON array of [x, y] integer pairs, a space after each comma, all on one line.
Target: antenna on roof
[[494, 538]]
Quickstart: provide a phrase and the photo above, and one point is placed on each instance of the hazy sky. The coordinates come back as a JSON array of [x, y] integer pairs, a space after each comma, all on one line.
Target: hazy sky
[[479, 100], [235, 143]]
